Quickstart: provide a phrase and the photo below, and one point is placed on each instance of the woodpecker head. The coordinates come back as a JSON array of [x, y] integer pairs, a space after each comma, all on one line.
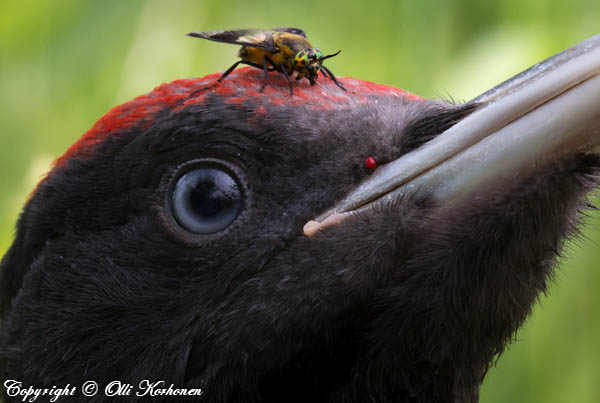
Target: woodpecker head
[[170, 243]]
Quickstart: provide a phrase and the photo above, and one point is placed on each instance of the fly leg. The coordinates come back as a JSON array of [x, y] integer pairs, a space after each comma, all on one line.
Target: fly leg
[[333, 77], [266, 70], [264, 67], [287, 76], [229, 70]]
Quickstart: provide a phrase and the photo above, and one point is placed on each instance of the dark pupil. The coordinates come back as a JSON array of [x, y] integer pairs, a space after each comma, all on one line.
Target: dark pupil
[[206, 200]]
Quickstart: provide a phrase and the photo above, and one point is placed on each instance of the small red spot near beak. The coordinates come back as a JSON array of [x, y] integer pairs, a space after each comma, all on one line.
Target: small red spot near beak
[[370, 163]]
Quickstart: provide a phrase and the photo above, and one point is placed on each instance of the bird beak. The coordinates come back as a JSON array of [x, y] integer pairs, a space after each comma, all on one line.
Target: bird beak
[[542, 114]]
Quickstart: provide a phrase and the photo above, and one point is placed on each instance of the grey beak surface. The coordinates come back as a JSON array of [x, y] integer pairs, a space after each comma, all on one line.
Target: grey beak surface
[[541, 114]]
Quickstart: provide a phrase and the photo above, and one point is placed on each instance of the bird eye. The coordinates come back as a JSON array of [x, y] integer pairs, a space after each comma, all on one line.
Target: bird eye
[[206, 200]]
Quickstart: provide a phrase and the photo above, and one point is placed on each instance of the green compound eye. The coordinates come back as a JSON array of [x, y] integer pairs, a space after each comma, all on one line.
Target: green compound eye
[[318, 53]]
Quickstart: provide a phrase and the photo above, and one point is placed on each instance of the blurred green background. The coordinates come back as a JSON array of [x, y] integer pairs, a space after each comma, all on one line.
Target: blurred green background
[[65, 63]]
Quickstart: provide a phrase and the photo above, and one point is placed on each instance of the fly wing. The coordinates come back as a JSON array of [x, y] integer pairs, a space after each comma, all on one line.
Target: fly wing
[[295, 31], [258, 38]]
